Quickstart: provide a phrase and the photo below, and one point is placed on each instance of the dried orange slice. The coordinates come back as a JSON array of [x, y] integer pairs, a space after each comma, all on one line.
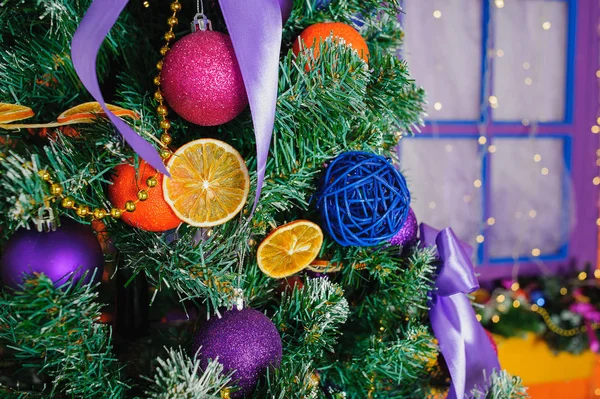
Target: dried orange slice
[[87, 112], [209, 183], [324, 266], [289, 248], [12, 112]]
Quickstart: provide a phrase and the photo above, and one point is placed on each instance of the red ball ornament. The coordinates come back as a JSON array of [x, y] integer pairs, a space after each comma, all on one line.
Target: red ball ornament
[[201, 79], [288, 284]]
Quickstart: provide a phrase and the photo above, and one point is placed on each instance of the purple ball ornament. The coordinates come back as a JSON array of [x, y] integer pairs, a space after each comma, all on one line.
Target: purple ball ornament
[[408, 232], [286, 9], [201, 79], [243, 340], [69, 251]]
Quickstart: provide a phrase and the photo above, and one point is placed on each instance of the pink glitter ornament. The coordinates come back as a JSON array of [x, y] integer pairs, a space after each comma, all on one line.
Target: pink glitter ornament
[[201, 79]]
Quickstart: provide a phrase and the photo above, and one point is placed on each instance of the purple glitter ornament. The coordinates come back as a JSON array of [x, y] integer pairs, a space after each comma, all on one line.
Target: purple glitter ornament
[[71, 250], [201, 79], [243, 340], [408, 232]]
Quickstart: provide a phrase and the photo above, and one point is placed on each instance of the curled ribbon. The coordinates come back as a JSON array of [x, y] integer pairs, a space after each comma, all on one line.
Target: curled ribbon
[[463, 342], [590, 315], [255, 29]]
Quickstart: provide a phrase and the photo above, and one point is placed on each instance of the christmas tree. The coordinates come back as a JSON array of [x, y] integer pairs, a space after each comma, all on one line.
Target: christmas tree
[[227, 272]]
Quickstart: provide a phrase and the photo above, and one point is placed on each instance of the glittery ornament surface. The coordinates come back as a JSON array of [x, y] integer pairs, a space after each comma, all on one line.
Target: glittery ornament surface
[[246, 341], [408, 233], [70, 251], [201, 79]]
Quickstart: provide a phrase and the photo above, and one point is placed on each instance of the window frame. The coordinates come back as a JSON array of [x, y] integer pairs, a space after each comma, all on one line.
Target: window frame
[[581, 108]]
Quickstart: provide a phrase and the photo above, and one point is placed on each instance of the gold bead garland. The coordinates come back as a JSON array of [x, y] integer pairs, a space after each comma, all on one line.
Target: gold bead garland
[[162, 109], [83, 211], [557, 329]]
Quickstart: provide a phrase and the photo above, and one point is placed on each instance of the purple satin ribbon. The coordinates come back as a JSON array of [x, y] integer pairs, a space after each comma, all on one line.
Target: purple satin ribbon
[[95, 25], [255, 29], [590, 315], [462, 340]]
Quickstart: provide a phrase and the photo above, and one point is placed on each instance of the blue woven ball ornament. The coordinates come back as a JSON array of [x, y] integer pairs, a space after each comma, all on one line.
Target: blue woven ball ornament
[[363, 199]]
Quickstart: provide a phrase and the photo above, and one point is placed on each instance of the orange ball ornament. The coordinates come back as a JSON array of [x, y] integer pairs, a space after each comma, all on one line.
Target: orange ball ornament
[[339, 31], [152, 214]]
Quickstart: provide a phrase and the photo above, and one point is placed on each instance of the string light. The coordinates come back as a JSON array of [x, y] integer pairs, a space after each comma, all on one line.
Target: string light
[[516, 304], [492, 149], [499, 3], [495, 318], [477, 183], [493, 101], [480, 239], [437, 14], [515, 286], [448, 147], [598, 74], [536, 252], [563, 291], [432, 205], [537, 158], [528, 81], [582, 276], [482, 140], [545, 171], [546, 25], [526, 65], [595, 129], [491, 221], [437, 106], [478, 316], [532, 213], [500, 53], [596, 180]]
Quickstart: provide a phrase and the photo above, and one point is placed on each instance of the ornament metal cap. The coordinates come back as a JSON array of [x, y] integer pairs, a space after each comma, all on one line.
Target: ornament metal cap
[[200, 22], [46, 221], [238, 298]]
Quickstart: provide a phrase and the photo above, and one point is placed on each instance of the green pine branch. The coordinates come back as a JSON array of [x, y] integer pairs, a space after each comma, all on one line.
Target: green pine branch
[[55, 331], [309, 319], [179, 376], [502, 386]]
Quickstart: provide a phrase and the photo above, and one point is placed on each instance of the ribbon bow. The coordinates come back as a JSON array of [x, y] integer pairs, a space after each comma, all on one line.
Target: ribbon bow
[[462, 340], [255, 29], [590, 315]]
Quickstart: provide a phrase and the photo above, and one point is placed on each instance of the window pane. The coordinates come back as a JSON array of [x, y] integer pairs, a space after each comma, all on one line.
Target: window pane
[[529, 199], [443, 51], [441, 175], [530, 59]]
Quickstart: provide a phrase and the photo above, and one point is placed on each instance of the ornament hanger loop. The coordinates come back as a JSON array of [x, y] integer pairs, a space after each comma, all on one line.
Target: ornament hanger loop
[[201, 21], [46, 221]]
